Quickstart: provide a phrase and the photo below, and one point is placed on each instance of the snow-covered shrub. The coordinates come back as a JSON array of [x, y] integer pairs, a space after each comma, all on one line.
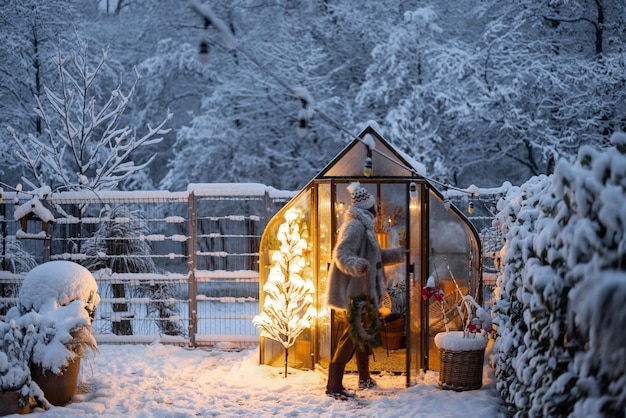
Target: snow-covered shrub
[[15, 346], [57, 301], [560, 305]]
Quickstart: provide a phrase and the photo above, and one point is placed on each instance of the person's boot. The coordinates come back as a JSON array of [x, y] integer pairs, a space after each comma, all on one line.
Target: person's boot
[[362, 365], [334, 387]]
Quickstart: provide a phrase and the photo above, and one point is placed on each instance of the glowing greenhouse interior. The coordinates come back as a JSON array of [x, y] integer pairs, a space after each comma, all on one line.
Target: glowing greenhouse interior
[[413, 214]]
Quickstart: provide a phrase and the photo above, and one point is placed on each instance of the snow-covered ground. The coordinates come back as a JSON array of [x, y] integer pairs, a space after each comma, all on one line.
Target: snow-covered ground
[[169, 381]]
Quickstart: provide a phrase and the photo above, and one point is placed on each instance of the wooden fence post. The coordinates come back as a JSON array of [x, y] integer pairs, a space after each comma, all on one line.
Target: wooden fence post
[[193, 254]]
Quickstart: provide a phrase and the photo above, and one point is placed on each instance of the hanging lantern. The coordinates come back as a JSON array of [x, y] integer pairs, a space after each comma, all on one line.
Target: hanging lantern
[[413, 195], [367, 168], [204, 45], [470, 208]]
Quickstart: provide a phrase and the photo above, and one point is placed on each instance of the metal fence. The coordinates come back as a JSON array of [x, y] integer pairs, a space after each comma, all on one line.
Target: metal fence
[[181, 267]]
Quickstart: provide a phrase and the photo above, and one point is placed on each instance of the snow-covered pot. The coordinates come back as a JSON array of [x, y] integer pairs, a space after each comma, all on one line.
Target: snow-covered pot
[[12, 403], [59, 299], [462, 357], [58, 388]]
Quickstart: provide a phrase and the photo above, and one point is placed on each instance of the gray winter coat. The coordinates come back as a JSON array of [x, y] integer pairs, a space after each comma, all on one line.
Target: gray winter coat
[[356, 247]]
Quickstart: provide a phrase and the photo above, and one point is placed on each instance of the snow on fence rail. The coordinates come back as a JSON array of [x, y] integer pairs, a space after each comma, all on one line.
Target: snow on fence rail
[[178, 266]]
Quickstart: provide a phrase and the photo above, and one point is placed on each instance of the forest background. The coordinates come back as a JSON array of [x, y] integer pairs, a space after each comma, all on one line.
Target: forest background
[[480, 91]]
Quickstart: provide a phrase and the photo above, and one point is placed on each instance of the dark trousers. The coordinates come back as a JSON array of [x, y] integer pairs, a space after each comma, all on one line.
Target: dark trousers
[[346, 348]]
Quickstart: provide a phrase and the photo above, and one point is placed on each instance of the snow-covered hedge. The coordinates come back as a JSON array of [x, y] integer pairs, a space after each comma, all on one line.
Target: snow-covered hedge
[[561, 302]]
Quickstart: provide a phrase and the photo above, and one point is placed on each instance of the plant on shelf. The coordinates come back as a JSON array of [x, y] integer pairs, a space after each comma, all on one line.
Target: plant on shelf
[[397, 292], [393, 324], [387, 216]]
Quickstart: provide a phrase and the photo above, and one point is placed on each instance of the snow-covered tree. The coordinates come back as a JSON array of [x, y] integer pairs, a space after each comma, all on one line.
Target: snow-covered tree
[[84, 142], [31, 30], [512, 86], [560, 346], [288, 308]]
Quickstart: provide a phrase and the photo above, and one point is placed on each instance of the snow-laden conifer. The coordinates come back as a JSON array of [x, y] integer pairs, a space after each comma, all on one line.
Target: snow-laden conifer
[[560, 347]]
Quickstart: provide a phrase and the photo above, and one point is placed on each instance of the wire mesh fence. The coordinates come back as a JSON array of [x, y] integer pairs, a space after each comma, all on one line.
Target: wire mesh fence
[[179, 266]]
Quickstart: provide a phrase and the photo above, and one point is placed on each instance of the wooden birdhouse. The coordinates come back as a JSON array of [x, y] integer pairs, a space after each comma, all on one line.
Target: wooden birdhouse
[[34, 219]]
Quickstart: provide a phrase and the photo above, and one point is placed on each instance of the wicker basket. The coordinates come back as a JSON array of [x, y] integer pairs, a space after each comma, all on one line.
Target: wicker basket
[[461, 370]]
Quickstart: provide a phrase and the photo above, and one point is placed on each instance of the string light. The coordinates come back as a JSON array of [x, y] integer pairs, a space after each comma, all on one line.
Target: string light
[[413, 191], [210, 18], [203, 55], [367, 168], [204, 51]]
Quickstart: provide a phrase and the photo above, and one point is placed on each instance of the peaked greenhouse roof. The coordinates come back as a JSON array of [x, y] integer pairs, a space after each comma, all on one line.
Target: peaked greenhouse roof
[[386, 160]]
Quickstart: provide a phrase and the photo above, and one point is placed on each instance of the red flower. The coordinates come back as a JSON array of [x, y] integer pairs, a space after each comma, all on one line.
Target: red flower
[[429, 292]]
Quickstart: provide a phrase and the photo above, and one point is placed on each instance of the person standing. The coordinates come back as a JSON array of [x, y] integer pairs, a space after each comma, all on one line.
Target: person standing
[[357, 265]]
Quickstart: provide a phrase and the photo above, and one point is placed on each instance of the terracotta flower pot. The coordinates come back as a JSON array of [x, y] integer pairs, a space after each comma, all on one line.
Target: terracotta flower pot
[[58, 389], [9, 404], [392, 331]]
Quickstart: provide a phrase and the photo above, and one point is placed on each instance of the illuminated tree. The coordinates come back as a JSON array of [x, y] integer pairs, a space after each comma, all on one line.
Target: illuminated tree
[[288, 306]]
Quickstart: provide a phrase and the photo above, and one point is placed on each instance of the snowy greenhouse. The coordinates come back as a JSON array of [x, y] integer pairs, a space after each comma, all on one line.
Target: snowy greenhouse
[[441, 243]]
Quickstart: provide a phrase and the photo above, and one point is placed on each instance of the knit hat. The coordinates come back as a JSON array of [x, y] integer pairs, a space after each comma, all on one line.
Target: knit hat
[[360, 197]]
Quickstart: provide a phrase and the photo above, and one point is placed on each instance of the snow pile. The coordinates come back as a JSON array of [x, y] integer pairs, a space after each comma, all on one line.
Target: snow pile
[[58, 282], [560, 309], [165, 381], [461, 341]]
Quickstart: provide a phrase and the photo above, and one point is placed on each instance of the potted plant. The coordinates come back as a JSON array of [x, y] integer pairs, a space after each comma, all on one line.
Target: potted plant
[[387, 217], [14, 369], [57, 303], [461, 353], [393, 326]]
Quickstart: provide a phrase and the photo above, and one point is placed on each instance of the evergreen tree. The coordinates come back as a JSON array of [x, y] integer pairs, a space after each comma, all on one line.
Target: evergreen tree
[[559, 350]]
